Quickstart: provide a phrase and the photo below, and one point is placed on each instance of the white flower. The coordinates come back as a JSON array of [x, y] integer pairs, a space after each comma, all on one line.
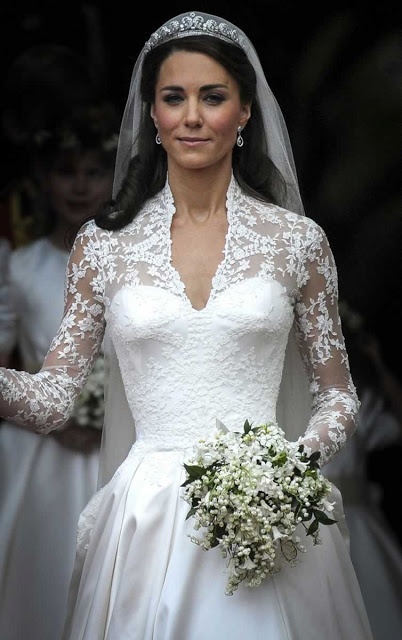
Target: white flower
[[276, 534], [250, 492]]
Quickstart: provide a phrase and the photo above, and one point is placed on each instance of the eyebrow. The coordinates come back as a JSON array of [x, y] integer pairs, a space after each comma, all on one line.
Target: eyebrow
[[205, 87]]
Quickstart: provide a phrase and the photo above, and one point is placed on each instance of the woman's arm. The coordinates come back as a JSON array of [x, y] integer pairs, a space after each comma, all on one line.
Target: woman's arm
[[335, 403], [45, 400]]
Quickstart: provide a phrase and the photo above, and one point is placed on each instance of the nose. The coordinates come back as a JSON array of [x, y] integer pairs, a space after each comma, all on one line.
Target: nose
[[193, 116], [80, 182]]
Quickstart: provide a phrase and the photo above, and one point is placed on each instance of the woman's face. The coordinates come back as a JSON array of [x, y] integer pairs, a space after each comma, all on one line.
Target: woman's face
[[197, 110], [77, 186]]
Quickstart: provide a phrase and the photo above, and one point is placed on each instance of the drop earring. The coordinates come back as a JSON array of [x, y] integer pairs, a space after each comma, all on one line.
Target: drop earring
[[158, 138], [239, 141]]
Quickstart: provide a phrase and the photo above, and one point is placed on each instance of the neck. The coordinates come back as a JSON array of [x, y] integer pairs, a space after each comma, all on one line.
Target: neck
[[199, 194]]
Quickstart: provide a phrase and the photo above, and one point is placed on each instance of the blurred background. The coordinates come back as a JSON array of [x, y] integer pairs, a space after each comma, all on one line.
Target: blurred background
[[336, 70]]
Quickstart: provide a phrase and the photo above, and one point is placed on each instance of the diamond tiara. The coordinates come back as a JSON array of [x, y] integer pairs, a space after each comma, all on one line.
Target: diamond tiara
[[190, 24]]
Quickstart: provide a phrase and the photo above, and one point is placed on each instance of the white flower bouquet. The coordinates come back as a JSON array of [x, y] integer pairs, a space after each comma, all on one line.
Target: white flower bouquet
[[89, 408], [250, 491]]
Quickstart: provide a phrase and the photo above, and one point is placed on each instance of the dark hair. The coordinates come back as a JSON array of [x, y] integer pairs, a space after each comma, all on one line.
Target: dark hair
[[91, 127], [147, 171], [41, 86]]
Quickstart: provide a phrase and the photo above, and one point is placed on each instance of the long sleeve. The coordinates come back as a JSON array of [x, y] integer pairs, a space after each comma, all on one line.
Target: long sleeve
[[335, 403], [45, 400]]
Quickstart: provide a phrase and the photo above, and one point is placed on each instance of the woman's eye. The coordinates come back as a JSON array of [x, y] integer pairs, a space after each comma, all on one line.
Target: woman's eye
[[210, 98], [214, 98], [173, 98]]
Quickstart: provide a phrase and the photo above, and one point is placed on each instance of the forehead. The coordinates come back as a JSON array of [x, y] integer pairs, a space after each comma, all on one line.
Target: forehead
[[199, 68]]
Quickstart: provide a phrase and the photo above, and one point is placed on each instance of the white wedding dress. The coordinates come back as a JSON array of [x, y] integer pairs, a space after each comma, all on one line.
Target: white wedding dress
[[137, 574]]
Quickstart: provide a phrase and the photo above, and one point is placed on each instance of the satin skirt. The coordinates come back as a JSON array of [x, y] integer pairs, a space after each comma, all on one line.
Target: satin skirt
[[138, 576]]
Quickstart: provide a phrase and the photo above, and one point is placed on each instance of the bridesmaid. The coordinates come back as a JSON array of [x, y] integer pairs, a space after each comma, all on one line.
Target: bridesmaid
[[45, 482]]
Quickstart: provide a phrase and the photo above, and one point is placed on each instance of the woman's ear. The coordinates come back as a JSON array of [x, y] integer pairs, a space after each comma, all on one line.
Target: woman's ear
[[245, 115], [152, 113]]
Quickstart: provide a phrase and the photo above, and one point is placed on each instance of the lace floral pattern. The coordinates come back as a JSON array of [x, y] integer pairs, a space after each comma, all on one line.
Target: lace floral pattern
[[183, 368]]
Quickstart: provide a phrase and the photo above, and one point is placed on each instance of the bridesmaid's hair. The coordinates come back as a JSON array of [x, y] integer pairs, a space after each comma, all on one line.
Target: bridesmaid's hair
[[147, 170]]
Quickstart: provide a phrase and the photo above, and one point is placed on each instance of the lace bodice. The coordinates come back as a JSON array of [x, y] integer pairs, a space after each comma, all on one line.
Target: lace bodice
[[184, 368]]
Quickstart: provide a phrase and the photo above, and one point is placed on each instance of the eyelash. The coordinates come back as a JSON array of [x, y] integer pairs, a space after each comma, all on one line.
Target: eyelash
[[211, 98]]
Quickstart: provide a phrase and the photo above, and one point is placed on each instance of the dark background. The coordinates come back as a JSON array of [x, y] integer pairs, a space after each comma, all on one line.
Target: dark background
[[335, 69]]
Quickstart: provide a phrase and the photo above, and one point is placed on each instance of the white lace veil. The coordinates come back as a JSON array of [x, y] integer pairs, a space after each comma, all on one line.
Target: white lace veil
[[294, 401]]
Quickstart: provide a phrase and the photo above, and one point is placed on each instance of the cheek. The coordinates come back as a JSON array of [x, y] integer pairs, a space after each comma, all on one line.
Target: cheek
[[166, 119], [225, 127], [224, 121], [57, 189]]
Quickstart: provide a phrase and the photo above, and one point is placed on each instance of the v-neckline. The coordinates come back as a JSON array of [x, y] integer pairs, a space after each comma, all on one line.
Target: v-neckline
[[171, 209], [213, 279]]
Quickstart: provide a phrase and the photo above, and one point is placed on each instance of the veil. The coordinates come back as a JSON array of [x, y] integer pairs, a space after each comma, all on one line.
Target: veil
[[275, 130], [294, 403]]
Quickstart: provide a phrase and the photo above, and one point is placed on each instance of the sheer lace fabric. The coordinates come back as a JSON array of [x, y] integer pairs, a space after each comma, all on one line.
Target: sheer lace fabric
[[184, 368]]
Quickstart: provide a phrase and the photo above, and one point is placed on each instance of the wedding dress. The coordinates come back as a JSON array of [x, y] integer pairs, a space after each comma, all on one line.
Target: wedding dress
[[137, 575]]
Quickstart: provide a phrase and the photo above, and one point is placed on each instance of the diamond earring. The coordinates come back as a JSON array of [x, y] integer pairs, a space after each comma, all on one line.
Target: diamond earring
[[239, 141]]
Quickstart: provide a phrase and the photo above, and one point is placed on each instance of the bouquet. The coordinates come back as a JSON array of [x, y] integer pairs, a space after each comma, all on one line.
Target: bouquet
[[89, 408], [250, 491]]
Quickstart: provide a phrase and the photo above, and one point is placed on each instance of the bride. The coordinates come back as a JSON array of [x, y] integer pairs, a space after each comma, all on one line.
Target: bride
[[217, 300]]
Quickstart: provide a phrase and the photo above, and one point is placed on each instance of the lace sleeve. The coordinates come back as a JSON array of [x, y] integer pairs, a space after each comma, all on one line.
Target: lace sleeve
[[318, 330], [45, 400]]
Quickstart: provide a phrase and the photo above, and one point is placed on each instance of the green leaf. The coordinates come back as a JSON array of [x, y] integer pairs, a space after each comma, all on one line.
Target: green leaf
[[214, 543], [313, 460], [194, 471], [313, 528], [219, 532], [247, 427], [323, 518], [187, 482], [191, 512]]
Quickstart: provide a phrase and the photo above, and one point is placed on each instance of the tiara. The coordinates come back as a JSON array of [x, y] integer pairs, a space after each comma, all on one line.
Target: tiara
[[190, 24]]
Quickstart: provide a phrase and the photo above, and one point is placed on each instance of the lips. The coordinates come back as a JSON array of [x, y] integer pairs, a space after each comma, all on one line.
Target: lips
[[79, 205], [193, 142]]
